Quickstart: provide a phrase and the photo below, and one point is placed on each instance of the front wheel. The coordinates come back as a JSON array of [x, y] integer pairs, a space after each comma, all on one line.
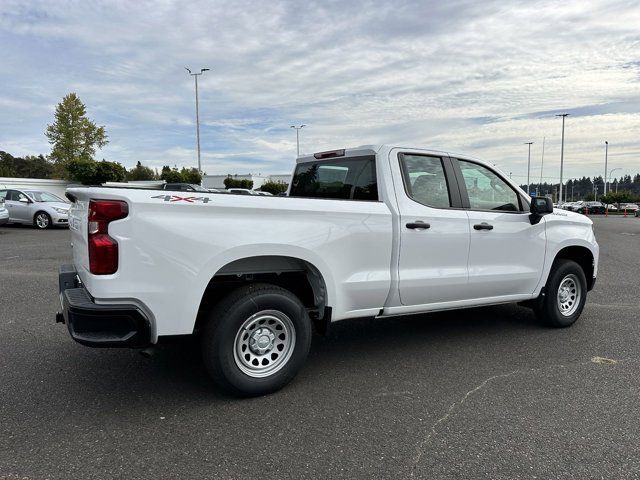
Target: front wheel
[[566, 294], [42, 220], [256, 340]]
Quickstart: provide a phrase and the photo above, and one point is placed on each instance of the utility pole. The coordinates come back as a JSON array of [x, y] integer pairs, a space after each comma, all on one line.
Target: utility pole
[[606, 155], [195, 77], [563, 115], [528, 166], [298, 138]]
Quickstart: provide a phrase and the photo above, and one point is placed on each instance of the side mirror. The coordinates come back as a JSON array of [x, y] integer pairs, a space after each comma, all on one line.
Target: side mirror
[[24, 200], [539, 206]]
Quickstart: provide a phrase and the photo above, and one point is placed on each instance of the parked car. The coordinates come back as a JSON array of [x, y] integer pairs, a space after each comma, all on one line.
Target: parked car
[[629, 207], [34, 207], [637, 213], [264, 194], [4, 213], [241, 191], [591, 208], [374, 231], [184, 187], [612, 208]]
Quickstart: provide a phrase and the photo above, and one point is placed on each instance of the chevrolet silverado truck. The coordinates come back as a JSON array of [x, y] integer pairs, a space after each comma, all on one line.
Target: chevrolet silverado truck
[[373, 231]]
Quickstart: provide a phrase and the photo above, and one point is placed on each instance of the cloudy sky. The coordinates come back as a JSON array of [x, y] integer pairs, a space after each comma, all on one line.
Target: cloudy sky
[[478, 77]]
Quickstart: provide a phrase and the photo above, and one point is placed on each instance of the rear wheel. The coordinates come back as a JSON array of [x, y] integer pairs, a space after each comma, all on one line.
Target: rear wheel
[[566, 294], [42, 220], [256, 340]]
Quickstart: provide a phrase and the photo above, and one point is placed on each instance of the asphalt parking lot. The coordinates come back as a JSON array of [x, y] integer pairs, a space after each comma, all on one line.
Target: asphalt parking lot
[[482, 393]]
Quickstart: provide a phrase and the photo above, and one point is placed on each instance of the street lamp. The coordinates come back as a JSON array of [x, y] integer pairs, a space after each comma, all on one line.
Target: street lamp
[[298, 137], [528, 166], [606, 154], [542, 162], [195, 77], [563, 115], [611, 176]]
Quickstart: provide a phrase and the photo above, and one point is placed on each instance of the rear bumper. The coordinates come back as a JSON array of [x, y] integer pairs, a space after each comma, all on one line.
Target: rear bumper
[[99, 325]]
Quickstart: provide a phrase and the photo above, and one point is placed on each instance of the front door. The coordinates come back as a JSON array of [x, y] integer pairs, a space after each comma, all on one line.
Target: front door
[[18, 211], [506, 254]]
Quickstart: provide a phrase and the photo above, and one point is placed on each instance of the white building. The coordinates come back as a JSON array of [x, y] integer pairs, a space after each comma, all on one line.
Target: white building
[[217, 181], [57, 187]]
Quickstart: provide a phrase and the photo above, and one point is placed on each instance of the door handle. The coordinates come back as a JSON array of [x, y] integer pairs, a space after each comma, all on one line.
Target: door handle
[[483, 226], [418, 225]]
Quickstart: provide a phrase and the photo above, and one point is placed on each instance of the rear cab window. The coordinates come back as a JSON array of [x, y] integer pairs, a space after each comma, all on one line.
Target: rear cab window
[[346, 178], [424, 180]]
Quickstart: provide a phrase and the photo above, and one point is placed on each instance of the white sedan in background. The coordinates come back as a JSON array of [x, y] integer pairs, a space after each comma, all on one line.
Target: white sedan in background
[[34, 207]]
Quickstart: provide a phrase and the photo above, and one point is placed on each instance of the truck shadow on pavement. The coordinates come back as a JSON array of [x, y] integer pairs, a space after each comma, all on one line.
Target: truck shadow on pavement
[[353, 348]]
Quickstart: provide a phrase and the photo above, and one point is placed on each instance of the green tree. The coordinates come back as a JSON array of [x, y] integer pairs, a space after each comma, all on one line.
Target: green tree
[[191, 175], [231, 182], [274, 187], [90, 172], [27, 167], [72, 135], [171, 175], [140, 172]]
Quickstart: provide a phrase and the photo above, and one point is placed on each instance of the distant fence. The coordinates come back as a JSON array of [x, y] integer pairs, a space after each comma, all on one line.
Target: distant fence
[[57, 187]]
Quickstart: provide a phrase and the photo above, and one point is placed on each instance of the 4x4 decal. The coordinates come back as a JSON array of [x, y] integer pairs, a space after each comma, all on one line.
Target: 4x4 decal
[[177, 198]]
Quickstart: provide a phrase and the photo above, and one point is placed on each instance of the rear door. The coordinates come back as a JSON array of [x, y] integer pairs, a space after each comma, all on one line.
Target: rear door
[[434, 230], [506, 254]]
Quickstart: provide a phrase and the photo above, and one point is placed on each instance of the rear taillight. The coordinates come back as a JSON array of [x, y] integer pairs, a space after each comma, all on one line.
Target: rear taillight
[[103, 250]]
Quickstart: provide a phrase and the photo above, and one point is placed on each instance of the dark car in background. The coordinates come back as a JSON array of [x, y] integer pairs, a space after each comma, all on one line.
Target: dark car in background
[[592, 208], [184, 187]]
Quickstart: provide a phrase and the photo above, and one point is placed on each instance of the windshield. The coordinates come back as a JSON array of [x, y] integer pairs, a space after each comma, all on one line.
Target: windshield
[[44, 197], [198, 188]]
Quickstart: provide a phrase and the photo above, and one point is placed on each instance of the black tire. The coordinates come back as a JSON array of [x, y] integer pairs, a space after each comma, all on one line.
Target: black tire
[[221, 335], [549, 309], [45, 223]]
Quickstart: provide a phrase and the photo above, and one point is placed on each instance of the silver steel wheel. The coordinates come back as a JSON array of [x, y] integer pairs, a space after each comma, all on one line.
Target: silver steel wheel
[[264, 343], [42, 220], [569, 295]]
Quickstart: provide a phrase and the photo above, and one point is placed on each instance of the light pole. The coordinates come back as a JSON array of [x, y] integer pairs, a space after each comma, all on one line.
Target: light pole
[[611, 176], [563, 115], [195, 77], [572, 185], [298, 137], [542, 162], [528, 166], [606, 155]]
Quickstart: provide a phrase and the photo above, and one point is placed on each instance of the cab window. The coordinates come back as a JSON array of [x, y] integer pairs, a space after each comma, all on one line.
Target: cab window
[[343, 179], [486, 190], [425, 180]]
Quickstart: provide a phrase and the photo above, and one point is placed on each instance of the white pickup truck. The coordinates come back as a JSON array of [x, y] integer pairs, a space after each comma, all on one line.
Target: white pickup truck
[[373, 231]]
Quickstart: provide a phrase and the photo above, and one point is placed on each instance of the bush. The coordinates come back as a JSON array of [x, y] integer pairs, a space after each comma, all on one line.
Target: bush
[[231, 182], [191, 175], [90, 172], [171, 175], [140, 173], [274, 187]]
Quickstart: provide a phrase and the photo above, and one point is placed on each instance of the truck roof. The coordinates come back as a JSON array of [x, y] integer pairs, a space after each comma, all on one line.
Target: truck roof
[[374, 149]]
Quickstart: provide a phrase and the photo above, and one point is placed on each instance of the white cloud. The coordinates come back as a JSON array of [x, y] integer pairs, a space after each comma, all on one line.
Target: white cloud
[[463, 75]]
